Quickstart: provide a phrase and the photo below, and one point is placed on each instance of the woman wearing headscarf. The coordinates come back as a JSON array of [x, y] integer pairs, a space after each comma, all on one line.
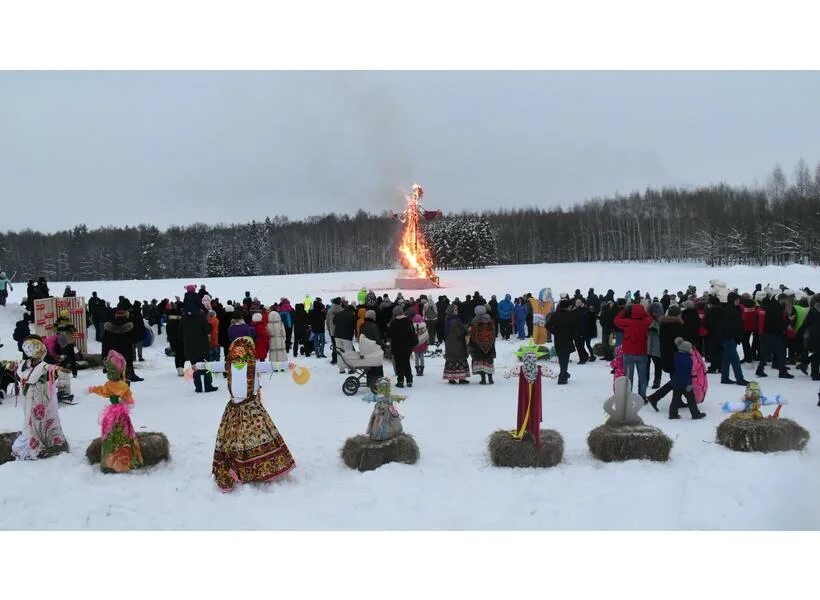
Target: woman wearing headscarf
[[482, 345], [456, 369]]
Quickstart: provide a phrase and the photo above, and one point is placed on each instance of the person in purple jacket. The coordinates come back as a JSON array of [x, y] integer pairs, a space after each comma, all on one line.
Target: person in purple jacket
[[682, 381], [239, 328]]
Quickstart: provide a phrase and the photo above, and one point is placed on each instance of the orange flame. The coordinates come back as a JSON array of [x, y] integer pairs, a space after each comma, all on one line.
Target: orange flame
[[415, 253]]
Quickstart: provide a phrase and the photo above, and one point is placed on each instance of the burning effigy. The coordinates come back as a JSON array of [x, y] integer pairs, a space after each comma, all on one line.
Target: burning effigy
[[414, 250]]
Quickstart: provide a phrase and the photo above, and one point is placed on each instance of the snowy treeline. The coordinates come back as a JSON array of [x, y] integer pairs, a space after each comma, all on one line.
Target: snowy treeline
[[776, 224]]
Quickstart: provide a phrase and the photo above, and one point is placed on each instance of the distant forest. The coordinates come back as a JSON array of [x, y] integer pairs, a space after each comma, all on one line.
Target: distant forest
[[778, 223]]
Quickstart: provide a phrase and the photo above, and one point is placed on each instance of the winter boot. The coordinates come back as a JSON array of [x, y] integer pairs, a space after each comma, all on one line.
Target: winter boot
[[784, 374], [463, 381], [760, 372], [454, 382], [131, 376], [400, 383], [418, 371], [421, 371], [209, 383], [483, 379], [198, 381], [180, 372], [656, 383], [490, 378]]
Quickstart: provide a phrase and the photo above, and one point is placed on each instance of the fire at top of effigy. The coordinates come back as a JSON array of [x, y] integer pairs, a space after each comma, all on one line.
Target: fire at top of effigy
[[414, 251]]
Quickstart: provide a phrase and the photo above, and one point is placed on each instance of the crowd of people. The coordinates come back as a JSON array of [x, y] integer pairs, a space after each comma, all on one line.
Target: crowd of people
[[776, 328], [685, 335]]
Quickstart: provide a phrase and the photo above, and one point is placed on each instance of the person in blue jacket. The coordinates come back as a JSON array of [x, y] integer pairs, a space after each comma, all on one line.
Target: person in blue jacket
[[505, 315], [520, 314]]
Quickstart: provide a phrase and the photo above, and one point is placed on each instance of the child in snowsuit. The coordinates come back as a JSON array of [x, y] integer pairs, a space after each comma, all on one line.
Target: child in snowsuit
[[682, 382]]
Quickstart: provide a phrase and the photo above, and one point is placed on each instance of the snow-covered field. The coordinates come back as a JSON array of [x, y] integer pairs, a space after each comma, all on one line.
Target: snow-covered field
[[453, 486]]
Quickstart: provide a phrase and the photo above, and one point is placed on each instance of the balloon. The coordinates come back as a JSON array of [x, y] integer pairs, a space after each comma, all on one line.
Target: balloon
[[300, 375]]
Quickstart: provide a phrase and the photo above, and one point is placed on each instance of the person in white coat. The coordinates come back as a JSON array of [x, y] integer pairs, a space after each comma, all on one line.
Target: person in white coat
[[277, 352]]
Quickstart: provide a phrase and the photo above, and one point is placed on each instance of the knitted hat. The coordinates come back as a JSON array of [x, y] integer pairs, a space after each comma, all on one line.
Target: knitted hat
[[479, 310], [450, 310], [370, 314], [398, 310], [656, 309], [229, 308], [564, 304], [674, 310], [257, 317], [190, 288], [683, 345]]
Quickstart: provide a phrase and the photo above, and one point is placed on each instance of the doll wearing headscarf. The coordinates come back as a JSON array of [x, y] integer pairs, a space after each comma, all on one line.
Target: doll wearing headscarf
[[42, 433], [120, 447], [249, 447]]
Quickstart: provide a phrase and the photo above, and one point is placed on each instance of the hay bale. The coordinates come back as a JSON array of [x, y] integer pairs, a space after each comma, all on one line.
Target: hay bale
[[762, 435], [629, 442], [6, 440], [364, 454], [505, 451], [598, 350], [154, 446]]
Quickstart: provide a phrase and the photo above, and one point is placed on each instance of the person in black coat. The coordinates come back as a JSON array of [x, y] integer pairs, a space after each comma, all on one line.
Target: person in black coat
[[300, 327], [441, 316], [713, 322], [195, 337], [563, 326], [139, 330], [810, 332], [581, 317], [671, 326], [316, 321], [401, 333], [493, 311], [731, 333], [773, 340], [96, 306], [609, 311], [21, 332], [118, 335], [691, 324], [173, 332]]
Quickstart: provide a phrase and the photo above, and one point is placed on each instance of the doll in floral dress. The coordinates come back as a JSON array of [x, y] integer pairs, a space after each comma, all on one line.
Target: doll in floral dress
[[42, 435]]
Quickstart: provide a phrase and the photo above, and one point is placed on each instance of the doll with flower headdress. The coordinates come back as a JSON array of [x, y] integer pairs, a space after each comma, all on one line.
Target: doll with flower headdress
[[120, 447], [42, 434], [249, 447]]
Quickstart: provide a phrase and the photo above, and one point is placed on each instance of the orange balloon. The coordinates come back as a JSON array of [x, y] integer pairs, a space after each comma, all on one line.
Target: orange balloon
[[300, 375]]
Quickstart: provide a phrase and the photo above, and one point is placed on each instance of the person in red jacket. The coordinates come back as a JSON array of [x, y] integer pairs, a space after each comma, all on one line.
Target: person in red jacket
[[262, 341], [634, 321]]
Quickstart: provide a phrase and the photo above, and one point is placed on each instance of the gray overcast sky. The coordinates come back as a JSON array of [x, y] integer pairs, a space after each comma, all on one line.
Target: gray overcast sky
[[179, 147]]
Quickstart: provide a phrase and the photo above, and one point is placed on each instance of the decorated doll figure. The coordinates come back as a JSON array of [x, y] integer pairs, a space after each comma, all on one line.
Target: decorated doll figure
[[529, 391], [748, 407], [120, 447], [385, 420], [249, 447], [42, 434]]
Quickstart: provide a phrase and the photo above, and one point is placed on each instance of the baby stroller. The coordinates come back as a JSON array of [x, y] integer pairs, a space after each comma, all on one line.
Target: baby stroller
[[366, 364]]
